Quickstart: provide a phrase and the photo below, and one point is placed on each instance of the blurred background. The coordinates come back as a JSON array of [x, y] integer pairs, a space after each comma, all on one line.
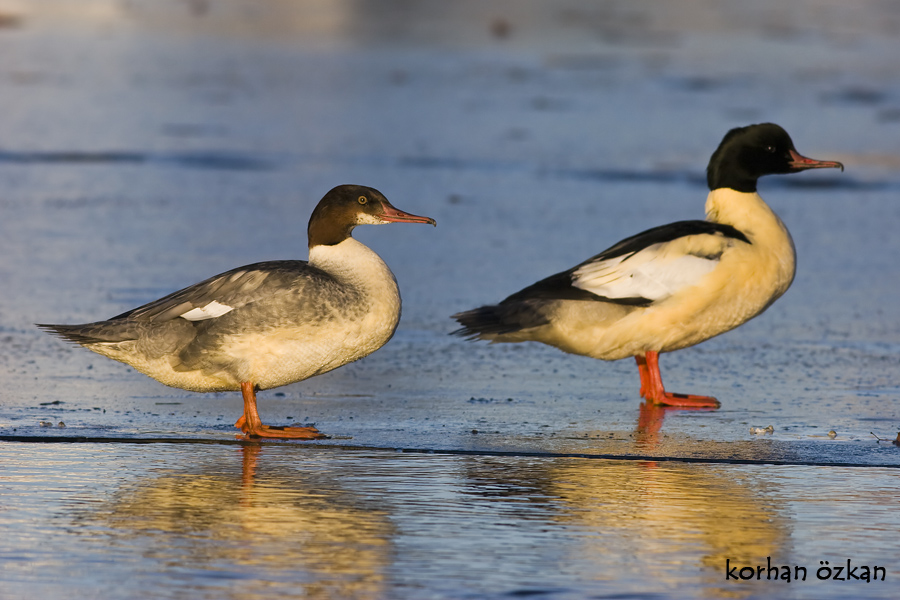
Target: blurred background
[[148, 144]]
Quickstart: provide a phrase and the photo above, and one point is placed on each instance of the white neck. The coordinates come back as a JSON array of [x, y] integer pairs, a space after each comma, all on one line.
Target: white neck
[[745, 211], [355, 264], [768, 235]]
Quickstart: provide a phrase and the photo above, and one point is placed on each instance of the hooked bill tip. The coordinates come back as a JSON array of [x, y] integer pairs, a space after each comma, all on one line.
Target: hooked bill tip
[[802, 163]]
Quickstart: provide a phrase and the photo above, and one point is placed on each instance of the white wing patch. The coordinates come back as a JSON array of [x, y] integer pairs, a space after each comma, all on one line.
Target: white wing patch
[[210, 311], [651, 273]]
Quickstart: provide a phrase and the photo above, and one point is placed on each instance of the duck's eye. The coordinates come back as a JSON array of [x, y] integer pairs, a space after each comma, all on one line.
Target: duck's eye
[[362, 199], [770, 149]]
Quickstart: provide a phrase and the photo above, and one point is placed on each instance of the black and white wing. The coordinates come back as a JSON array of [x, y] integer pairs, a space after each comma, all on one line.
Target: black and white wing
[[644, 268]]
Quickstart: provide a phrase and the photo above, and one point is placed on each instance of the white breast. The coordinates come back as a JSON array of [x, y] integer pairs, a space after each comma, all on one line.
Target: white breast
[[351, 333]]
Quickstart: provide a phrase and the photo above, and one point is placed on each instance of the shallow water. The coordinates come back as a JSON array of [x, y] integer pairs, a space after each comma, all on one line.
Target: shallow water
[[217, 521], [148, 145]]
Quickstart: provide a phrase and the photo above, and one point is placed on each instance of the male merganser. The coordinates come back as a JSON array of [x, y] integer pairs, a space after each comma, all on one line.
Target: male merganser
[[672, 286], [267, 324]]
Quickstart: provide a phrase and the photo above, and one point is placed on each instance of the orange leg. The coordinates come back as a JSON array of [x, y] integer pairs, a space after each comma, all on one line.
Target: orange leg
[[653, 390], [251, 424]]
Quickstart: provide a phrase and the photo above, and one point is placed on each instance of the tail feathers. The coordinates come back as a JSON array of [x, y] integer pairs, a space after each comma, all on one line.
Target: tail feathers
[[495, 321], [90, 333]]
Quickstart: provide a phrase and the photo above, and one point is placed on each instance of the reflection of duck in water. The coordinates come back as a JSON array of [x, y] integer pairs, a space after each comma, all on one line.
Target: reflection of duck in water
[[650, 422], [677, 517], [262, 527], [656, 526], [672, 286], [268, 324]]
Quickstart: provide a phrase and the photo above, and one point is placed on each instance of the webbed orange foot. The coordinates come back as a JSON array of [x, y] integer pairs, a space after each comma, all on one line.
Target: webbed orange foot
[[653, 390], [252, 425]]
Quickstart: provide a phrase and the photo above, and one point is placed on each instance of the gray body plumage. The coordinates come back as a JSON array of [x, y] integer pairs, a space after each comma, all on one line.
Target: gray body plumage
[[280, 322], [267, 324]]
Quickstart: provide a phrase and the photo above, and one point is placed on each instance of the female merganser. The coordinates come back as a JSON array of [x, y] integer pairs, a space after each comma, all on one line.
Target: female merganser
[[267, 324], [672, 286]]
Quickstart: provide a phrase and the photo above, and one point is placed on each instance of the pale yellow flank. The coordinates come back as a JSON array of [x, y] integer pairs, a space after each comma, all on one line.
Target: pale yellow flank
[[745, 281]]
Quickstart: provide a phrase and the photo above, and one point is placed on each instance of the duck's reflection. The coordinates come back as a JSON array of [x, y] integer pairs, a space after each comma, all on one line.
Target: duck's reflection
[[672, 524], [280, 521], [259, 530], [650, 422], [676, 511]]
